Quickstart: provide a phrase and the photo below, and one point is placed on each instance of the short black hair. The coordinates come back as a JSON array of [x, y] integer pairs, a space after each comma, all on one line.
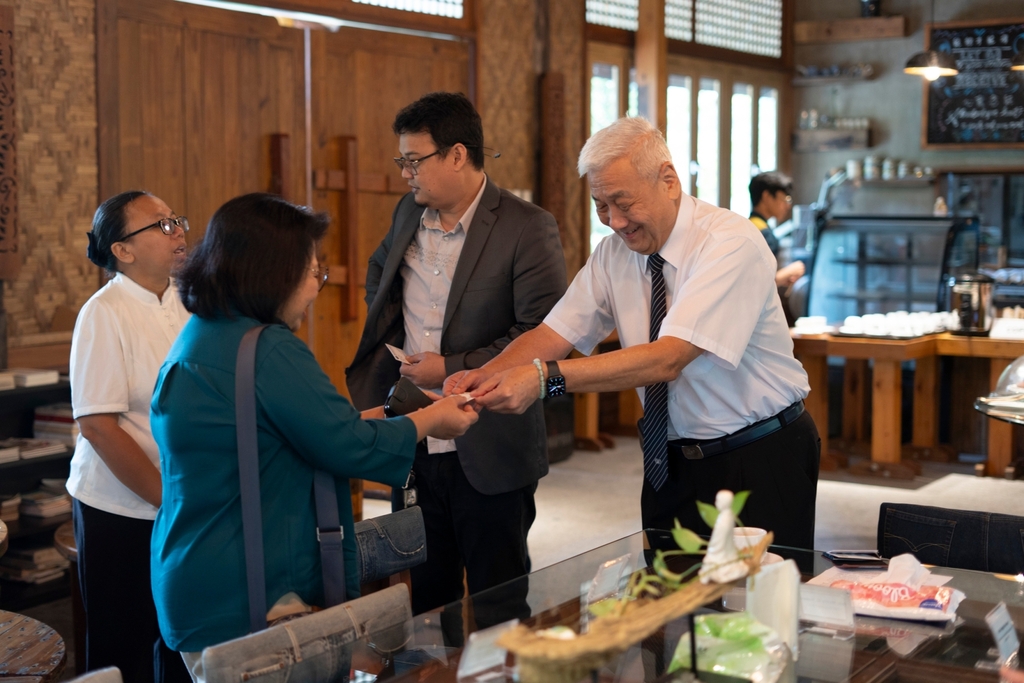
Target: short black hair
[[450, 118], [108, 225], [772, 182], [252, 258]]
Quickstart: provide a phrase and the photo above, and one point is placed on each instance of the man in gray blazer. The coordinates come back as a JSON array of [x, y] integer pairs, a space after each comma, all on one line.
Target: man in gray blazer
[[465, 268]]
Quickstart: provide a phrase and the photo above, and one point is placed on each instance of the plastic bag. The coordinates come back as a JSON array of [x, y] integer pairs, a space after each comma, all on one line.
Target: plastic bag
[[733, 645]]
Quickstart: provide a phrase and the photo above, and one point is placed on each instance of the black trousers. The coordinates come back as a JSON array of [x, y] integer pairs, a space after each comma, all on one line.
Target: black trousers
[[780, 471], [120, 617], [466, 529]]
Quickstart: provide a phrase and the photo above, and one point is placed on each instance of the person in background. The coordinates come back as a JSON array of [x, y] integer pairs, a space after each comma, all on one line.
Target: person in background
[[466, 268], [771, 195], [257, 265], [690, 289], [121, 337]]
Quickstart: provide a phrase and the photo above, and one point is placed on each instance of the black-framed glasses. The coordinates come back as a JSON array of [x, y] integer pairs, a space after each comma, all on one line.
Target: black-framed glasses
[[321, 275], [413, 165], [166, 225]]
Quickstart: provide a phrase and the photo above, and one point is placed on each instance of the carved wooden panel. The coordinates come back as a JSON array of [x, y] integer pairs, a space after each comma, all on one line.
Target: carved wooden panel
[[10, 262]]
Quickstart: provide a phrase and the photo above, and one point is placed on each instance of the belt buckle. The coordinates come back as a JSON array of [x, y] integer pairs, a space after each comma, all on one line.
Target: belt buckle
[[692, 452]]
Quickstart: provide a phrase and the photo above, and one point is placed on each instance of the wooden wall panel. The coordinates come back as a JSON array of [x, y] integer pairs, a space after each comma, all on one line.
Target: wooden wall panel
[[55, 69], [151, 112]]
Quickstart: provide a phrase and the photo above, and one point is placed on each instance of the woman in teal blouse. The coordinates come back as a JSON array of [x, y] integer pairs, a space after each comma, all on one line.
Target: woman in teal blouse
[[255, 265]]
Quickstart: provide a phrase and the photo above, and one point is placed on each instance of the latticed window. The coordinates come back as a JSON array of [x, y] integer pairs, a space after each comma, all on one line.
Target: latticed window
[[751, 26], [622, 14], [440, 8], [679, 19]]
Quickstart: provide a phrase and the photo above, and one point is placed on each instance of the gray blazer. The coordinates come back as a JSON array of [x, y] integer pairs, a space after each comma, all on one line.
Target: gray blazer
[[509, 275]]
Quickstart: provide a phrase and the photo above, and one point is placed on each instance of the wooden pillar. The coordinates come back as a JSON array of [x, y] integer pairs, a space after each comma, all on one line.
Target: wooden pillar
[[926, 409], [816, 402], [651, 57], [855, 394]]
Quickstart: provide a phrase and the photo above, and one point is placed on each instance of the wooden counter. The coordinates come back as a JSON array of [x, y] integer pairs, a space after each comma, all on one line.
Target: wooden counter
[[887, 389]]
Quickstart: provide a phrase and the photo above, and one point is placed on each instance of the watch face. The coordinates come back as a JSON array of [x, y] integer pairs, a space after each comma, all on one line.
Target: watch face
[[556, 386]]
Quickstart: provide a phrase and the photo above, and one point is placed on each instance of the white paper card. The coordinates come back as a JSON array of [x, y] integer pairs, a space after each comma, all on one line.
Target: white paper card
[[1007, 328], [1005, 635], [828, 606], [773, 598], [482, 652], [398, 353]]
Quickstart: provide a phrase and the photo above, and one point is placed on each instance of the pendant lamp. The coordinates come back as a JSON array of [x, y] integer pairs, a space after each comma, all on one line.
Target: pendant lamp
[[1018, 62], [930, 63]]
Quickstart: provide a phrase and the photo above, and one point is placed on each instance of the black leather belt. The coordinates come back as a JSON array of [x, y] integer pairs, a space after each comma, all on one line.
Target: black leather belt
[[692, 449]]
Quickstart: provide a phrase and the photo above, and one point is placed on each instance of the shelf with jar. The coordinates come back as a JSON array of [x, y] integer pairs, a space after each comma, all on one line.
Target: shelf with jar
[[812, 75]]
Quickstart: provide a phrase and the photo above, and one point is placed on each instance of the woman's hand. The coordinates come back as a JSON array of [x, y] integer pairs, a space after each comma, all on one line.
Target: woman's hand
[[446, 419], [122, 455]]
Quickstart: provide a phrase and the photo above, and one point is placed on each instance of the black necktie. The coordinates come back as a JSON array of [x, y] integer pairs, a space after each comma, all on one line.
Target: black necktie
[[654, 428]]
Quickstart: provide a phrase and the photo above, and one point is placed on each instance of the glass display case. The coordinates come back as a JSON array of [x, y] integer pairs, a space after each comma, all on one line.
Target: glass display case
[[878, 264]]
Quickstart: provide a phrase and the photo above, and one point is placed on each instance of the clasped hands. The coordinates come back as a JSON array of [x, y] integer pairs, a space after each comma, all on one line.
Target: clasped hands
[[511, 391]]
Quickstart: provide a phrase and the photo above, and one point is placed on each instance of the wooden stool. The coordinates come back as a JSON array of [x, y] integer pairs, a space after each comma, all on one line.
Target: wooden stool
[[64, 542], [29, 649]]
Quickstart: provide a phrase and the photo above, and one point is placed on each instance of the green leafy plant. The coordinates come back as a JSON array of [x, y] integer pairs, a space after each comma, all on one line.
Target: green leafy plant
[[662, 581]]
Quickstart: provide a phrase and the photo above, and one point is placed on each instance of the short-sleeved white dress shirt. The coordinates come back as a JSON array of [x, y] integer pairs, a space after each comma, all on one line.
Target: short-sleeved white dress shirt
[[721, 297], [121, 338]]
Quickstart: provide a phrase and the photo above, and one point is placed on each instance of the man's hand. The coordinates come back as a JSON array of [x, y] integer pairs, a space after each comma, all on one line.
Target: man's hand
[[466, 381], [784, 277], [424, 369], [512, 391]]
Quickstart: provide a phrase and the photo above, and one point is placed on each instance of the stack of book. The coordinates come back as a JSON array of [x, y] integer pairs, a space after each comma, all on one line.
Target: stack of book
[[9, 503], [56, 422], [7, 381], [34, 448], [30, 377], [45, 502], [9, 454], [33, 564]]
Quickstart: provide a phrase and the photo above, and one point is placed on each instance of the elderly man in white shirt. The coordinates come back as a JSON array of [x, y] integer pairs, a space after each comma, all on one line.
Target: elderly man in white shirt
[[690, 288]]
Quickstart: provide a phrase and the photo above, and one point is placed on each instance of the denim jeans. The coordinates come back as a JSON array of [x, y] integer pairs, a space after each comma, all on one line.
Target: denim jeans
[[389, 544], [952, 538], [313, 648]]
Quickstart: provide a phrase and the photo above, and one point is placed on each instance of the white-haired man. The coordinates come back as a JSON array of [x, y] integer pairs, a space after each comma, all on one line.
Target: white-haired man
[[690, 288]]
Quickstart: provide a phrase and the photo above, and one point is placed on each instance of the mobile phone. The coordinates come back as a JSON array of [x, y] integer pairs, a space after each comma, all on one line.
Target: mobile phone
[[856, 559]]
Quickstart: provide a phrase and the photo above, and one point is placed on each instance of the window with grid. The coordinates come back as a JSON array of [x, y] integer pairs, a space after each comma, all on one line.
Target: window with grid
[[439, 8], [750, 26]]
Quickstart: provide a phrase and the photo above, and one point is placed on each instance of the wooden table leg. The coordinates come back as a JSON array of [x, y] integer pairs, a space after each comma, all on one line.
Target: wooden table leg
[[886, 411], [855, 379], [586, 431], [816, 402], [924, 442], [1000, 433]]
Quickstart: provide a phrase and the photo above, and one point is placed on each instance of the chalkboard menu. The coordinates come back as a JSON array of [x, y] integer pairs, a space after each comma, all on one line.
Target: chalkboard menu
[[983, 105]]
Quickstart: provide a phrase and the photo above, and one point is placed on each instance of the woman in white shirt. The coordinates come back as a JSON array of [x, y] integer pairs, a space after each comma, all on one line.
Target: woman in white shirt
[[121, 337]]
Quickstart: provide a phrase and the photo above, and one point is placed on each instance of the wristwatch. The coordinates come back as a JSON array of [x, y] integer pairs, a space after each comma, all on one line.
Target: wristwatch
[[556, 383]]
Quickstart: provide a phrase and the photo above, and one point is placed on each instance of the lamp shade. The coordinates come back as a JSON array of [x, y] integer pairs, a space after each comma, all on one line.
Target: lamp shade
[[1018, 62], [931, 65]]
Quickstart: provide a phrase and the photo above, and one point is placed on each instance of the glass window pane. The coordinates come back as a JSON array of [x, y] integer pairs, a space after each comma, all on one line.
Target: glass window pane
[[678, 138], [443, 8], [633, 103], [768, 129], [707, 139], [604, 109], [742, 137], [604, 96]]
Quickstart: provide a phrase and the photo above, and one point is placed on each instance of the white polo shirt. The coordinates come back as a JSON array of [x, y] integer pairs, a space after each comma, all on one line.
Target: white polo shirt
[[721, 297], [122, 336]]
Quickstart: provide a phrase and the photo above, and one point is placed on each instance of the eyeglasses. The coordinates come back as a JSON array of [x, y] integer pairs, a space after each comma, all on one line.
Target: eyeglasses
[[413, 165], [321, 275], [166, 225]]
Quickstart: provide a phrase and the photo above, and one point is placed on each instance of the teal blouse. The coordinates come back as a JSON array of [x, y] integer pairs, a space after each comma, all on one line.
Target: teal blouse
[[197, 559]]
